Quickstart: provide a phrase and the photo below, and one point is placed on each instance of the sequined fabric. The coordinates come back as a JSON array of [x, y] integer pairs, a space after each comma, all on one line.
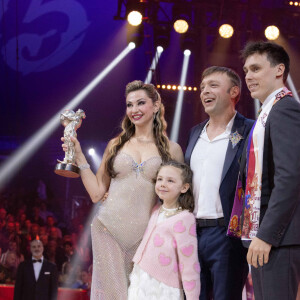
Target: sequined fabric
[[119, 225]]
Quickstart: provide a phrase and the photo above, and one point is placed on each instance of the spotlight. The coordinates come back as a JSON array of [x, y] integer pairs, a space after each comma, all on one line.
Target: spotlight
[[162, 35], [181, 17], [160, 49], [134, 18], [181, 26], [168, 86], [187, 42], [131, 45], [163, 86], [272, 32], [226, 31], [187, 52], [174, 87], [91, 151], [135, 34]]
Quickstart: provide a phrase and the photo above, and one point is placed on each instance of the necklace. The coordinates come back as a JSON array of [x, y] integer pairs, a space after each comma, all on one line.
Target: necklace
[[144, 141], [168, 212]]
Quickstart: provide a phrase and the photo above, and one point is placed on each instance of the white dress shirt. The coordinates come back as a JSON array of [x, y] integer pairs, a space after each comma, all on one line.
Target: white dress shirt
[[207, 161], [37, 268]]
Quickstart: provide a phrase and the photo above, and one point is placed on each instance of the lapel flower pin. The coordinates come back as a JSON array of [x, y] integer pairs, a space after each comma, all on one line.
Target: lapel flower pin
[[235, 137]]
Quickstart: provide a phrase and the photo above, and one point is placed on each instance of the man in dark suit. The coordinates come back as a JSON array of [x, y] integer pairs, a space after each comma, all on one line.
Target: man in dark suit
[[213, 152], [37, 278], [272, 207]]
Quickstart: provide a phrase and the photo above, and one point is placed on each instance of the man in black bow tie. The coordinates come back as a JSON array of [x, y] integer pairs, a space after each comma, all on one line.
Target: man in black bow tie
[[36, 278]]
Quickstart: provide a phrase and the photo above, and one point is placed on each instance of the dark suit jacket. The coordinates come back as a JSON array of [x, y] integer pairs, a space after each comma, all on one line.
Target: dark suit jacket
[[231, 165], [45, 288], [280, 195]]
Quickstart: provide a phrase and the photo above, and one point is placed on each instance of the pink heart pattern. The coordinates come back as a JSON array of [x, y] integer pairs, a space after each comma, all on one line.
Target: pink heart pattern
[[189, 285], [158, 241], [188, 250], [164, 260], [174, 243], [177, 267], [193, 230], [197, 267], [179, 227]]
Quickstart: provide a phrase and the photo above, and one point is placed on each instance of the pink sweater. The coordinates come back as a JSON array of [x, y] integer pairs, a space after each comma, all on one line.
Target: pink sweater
[[168, 252]]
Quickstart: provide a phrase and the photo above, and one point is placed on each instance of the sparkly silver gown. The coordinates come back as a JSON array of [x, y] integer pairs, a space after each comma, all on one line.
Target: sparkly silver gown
[[119, 225]]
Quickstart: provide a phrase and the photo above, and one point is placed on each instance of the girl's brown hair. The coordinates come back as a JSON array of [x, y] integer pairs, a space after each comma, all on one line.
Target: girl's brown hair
[[185, 200], [128, 128]]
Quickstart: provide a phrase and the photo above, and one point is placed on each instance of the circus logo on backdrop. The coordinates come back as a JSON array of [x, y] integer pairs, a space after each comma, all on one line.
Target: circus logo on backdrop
[[46, 33]]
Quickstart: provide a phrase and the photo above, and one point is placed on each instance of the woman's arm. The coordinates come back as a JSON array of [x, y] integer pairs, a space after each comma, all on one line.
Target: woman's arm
[[176, 152], [96, 185]]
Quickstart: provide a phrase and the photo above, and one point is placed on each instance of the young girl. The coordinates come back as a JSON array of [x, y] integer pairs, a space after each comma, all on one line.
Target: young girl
[[166, 261]]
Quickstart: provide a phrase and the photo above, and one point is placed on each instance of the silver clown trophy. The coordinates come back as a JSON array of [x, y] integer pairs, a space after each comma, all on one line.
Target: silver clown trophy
[[71, 121]]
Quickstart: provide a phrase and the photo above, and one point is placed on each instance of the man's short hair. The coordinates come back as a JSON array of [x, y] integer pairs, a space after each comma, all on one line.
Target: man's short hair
[[232, 75], [276, 54]]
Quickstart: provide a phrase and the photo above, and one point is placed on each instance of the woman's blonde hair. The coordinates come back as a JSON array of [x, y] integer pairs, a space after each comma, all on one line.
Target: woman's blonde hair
[[128, 128]]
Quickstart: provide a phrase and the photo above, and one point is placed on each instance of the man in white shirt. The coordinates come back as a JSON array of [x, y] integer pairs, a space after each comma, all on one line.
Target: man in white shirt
[[37, 278], [213, 152]]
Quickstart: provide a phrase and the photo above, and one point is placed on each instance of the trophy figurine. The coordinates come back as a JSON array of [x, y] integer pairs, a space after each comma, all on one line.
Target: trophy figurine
[[71, 121]]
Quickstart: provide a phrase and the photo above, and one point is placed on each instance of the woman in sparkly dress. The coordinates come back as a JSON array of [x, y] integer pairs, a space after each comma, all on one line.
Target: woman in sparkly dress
[[128, 167]]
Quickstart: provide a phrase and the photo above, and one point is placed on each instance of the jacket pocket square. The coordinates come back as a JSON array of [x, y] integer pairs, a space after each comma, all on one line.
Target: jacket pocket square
[[47, 273]]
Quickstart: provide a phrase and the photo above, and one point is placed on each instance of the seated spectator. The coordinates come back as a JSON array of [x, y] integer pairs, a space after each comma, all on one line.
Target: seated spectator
[[7, 233], [8, 269], [36, 218], [50, 225], [13, 246], [66, 279], [44, 212], [86, 280], [44, 239], [34, 232], [2, 217]]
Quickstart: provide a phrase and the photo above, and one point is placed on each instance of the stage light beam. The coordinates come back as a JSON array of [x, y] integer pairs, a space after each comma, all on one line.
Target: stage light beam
[[10, 167], [179, 102], [154, 63]]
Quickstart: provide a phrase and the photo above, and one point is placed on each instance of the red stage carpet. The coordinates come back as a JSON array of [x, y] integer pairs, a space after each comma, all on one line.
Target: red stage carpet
[[7, 293]]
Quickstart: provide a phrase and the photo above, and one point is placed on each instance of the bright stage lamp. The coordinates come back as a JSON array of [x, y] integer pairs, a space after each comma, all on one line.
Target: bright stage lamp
[[91, 151], [226, 31], [187, 52], [131, 45], [134, 18], [160, 49], [272, 32], [181, 26]]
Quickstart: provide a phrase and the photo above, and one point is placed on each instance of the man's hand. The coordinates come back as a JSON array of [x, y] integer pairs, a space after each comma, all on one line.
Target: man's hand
[[258, 251]]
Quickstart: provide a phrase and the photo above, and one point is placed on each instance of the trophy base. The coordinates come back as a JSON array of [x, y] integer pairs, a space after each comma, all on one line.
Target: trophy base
[[67, 170]]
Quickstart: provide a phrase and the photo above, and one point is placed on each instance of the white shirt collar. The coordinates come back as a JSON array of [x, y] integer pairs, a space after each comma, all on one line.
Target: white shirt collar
[[270, 97], [228, 126]]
